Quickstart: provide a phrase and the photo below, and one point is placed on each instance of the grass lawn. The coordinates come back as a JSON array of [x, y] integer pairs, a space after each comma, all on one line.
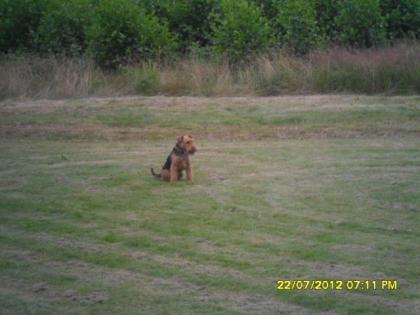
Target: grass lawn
[[316, 187]]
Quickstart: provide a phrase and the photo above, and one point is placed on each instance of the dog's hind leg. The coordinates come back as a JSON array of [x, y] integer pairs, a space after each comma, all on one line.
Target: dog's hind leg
[[165, 175]]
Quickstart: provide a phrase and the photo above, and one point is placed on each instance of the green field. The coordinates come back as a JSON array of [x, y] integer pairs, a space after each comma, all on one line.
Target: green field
[[316, 187]]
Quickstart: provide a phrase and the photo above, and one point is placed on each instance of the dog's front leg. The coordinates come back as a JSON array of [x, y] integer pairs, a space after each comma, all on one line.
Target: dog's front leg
[[174, 173], [189, 172]]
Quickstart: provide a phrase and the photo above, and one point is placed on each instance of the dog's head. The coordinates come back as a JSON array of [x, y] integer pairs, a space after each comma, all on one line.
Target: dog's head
[[186, 142]]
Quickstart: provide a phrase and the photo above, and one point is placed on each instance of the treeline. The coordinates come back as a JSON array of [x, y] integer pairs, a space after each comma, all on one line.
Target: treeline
[[114, 32]]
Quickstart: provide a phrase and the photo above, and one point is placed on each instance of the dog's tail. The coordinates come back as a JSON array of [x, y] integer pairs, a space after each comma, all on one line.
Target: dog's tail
[[153, 173]]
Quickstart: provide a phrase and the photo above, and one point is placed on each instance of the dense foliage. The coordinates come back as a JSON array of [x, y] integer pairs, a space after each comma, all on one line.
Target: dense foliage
[[63, 27], [19, 21], [296, 25], [239, 29], [189, 20], [360, 23], [402, 17], [122, 31], [115, 32]]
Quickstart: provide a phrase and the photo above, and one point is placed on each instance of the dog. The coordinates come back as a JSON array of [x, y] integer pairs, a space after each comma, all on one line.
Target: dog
[[178, 160]]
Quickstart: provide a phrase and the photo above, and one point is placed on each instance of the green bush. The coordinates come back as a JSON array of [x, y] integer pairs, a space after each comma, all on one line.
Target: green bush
[[115, 32], [19, 20], [360, 23], [268, 7], [239, 30], [402, 17], [326, 12], [189, 20], [296, 26], [63, 27], [122, 31]]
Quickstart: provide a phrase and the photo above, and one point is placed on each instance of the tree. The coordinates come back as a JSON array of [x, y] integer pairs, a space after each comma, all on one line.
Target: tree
[[360, 23], [402, 17], [19, 20], [63, 27], [189, 20], [326, 12], [122, 31], [296, 26], [239, 30]]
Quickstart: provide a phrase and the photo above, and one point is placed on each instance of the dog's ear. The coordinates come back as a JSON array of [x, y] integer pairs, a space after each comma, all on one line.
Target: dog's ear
[[180, 140]]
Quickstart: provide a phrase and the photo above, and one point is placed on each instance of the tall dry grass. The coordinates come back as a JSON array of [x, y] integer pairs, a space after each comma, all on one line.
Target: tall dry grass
[[384, 70], [46, 77], [381, 70]]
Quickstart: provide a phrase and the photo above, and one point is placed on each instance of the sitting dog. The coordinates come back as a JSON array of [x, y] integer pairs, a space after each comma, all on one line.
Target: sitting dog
[[178, 160]]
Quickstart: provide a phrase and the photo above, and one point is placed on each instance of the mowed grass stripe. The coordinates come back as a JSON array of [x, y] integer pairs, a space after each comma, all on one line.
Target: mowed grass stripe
[[144, 269], [240, 118], [141, 266]]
